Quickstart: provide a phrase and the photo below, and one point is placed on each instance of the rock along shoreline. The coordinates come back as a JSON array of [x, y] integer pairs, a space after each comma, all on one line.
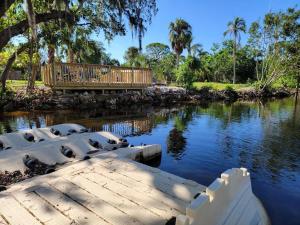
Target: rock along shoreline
[[46, 99]]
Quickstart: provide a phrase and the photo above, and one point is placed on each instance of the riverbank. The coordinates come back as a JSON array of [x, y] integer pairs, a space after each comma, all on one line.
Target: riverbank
[[43, 98]]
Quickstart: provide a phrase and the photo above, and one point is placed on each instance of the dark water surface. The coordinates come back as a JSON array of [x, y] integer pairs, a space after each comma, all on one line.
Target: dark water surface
[[200, 142]]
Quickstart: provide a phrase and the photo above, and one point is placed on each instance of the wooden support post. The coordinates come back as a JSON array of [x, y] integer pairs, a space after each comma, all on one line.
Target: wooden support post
[[52, 74]]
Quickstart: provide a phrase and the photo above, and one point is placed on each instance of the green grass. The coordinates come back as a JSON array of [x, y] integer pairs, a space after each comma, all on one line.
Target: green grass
[[221, 86], [14, 85]]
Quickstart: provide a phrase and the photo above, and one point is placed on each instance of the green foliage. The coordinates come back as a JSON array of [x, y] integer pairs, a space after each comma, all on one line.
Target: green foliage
[[165, 69], [157, 51], [157, 56], [185, 73], [235, 27], [131, 55], [134, 58], [220, 86], [180, 35], [66, 26], [229, 88], [271, 56], [218, 65]]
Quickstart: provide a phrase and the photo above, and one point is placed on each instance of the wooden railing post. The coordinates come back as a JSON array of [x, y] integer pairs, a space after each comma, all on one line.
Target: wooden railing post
[[52, 74], [110, 76], [132, 76]]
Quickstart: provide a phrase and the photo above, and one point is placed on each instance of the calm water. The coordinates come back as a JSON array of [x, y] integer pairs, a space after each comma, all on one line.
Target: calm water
[[200, 142]]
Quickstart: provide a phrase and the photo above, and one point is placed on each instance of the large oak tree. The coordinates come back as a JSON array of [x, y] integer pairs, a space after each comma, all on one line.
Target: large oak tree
[[107, 16]]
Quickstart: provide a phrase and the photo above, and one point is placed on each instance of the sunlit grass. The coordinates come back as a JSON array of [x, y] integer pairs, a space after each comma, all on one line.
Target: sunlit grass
[[220, 86], [14, 85]]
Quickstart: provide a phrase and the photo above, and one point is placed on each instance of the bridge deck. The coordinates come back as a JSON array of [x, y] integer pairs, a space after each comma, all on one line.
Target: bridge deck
[[102, 190]]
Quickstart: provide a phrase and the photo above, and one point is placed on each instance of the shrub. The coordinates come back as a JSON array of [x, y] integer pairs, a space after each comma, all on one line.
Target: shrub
[[229, 88], [185, 73]]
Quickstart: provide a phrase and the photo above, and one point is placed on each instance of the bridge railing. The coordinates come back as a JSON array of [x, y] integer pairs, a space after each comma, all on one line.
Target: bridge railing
[[60, 75]]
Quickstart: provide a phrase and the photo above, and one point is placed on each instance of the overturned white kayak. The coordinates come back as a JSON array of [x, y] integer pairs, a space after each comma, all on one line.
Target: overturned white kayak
[[228, 200]]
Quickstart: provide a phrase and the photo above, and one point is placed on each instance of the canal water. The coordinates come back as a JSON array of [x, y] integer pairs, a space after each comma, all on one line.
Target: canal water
[[200, 142]]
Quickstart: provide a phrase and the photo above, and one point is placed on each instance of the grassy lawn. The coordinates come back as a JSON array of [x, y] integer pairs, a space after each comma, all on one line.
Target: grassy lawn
[[221, 86], [18, 84]]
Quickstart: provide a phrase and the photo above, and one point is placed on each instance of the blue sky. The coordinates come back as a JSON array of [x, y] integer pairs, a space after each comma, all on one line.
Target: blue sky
[[207, 17]]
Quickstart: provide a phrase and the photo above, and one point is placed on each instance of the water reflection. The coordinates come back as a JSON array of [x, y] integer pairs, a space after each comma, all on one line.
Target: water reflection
[[176, 140], [200, 142]]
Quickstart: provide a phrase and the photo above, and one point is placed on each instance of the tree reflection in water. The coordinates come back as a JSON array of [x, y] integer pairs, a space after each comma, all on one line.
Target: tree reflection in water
[[176, 141]]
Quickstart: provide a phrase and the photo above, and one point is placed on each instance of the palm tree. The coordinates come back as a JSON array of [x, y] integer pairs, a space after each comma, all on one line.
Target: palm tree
[[139, 16], [234, 28], [138, 27], [189, 45], [197, 50], [180, 36], [131, 55]]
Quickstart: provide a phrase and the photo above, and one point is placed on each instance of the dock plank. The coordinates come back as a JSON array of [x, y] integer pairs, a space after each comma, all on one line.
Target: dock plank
[[149, 203], [14, 213], [2, 221], [76, 212], [132, 209], [97, 205], [162, 199], [154, 179], [140, 187], [46, 213]]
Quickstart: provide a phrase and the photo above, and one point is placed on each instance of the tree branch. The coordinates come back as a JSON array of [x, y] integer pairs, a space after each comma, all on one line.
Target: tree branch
[[83, 24], [21, 27], [9, 63]]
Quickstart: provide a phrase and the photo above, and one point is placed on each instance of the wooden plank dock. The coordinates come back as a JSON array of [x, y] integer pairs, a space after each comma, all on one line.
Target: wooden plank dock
[[107, 189], [72, 76]]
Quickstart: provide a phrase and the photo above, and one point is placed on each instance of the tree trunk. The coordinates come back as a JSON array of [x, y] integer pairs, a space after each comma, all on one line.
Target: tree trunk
[[8, 65], [31, 19], [32, 77], [298, 86], [70, 55], [234, 62], [256, 68], [51, 54], [140, 43]]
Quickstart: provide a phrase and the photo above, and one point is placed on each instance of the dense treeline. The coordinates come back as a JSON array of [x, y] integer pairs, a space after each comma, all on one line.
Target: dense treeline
[[270, 55], [36, 31]]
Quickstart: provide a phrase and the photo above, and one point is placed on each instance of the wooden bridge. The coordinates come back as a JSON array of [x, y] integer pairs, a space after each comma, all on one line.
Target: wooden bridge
[[70, 76]]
